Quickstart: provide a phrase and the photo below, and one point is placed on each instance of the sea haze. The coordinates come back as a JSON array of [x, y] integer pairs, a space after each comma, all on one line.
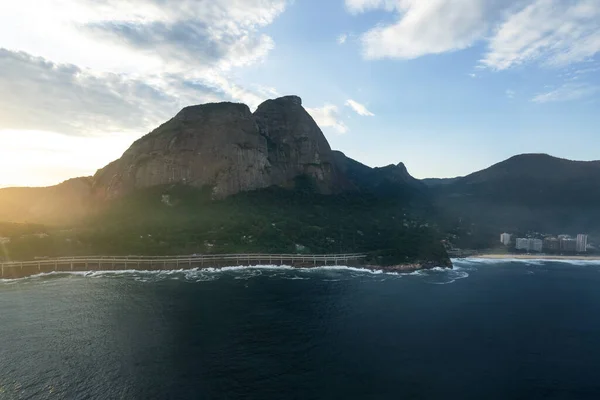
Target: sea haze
[[485, 330]]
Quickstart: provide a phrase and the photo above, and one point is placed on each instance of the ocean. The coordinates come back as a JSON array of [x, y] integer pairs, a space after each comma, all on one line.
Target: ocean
[[488, 329]]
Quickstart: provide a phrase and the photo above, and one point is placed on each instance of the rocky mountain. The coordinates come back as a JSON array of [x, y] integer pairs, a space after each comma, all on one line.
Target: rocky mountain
[[222, 146], [219, 178], [228, 148]]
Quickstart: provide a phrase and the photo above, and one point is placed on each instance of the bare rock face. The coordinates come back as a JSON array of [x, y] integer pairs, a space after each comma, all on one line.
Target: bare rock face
[[296, 145], [225, 146]]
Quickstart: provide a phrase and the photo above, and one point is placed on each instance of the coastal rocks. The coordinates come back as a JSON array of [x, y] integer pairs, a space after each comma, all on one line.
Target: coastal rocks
[[414, 266], [226, 147]]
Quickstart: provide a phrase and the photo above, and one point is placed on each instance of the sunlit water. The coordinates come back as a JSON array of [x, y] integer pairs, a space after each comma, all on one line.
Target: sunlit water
[[486, 330]]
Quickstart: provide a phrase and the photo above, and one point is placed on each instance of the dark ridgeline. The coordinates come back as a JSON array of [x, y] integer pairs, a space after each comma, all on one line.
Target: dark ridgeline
[[528, 192]]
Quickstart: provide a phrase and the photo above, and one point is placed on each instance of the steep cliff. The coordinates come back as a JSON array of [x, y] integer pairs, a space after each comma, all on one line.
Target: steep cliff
[[225, 146], [296, 145]]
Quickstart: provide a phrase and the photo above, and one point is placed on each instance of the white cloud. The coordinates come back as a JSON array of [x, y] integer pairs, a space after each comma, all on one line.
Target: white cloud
[[359, 108], [551, 32], [184, 50], [422, 27], [79, 69], [328, 116], [67, 99], [473, 75], [567, 92], [342, 38], [510, 93], [358, 6]]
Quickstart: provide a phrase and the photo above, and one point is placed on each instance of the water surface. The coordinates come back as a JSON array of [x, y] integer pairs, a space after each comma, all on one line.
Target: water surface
[[487, 330]]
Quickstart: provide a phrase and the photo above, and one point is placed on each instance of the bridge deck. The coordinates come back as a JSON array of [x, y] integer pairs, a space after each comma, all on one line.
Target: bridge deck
[[12, 270]]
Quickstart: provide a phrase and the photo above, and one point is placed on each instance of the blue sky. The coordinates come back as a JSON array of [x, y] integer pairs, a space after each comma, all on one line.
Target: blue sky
[[445, 86]]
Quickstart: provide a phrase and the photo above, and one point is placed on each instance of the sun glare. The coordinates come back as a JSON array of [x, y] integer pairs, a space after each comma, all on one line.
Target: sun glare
[[37, 158]]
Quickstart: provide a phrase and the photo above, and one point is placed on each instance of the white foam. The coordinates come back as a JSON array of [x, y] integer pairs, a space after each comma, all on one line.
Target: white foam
[[248, 272], [295, 278], [528, 261]]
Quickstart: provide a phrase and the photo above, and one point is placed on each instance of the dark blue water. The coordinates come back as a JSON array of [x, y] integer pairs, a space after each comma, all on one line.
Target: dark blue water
[[505, 330]]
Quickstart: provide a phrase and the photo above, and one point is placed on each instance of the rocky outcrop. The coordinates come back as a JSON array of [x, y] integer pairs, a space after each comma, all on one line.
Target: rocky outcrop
[[382, 179], [226, 147], [444, 262], [296, 145]]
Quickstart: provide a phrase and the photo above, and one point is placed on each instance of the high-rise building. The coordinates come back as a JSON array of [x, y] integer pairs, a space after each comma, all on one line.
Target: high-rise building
[[581, 245], [529, 244], [568, 245], [522, 244], [551, 245], [505, 239]]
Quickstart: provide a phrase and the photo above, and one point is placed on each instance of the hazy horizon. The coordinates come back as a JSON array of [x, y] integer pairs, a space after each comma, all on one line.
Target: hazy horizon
[[446, 87]]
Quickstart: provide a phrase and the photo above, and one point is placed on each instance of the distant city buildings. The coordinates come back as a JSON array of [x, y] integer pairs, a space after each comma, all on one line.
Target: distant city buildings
[[550, 244], [528, 244], [581, 243], [505, 238]]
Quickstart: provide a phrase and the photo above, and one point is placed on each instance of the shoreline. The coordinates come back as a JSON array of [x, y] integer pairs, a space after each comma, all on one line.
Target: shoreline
[[20, 269], [533, 257], [16, 270], [397, 269]]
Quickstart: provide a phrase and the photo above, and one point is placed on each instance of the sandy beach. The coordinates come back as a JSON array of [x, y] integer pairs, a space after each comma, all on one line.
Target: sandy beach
[[534, 257]]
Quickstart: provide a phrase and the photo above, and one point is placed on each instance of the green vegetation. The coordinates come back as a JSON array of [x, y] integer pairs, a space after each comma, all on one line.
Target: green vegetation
[[183, 220]]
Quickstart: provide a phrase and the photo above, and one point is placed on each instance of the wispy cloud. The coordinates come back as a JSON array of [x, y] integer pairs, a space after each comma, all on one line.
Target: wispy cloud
[[422, 27], [567, 92], [342, 38], [71, 100], [553, 33], [358, 108], [510, 93], [550, 32], [328, 116], [116, 64]]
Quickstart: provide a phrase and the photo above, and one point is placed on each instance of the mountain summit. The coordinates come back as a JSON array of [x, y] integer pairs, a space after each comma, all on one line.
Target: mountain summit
[[226, 147]]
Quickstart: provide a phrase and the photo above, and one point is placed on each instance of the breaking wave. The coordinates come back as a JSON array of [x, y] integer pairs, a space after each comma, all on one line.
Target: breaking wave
[[323, 273], [528, 261]]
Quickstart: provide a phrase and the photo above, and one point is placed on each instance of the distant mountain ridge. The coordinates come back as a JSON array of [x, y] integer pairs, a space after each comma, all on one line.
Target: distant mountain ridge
[[64, 203], [532, 179], [525, 192]]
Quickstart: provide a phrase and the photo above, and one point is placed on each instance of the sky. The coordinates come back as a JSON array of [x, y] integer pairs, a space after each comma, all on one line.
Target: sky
[[446, 86]]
